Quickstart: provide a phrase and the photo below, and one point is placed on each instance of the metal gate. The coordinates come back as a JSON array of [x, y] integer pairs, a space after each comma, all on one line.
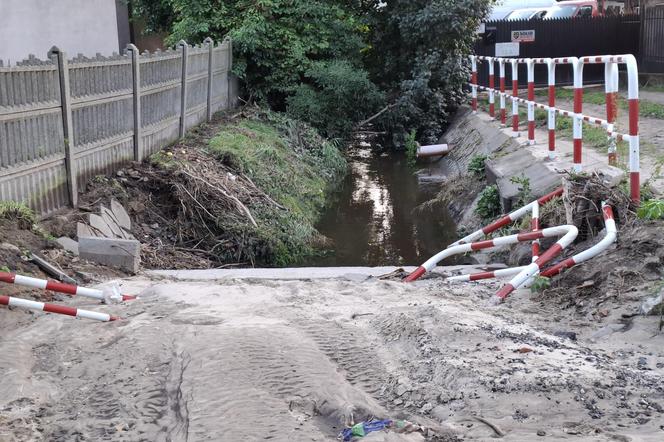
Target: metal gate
[[652, 39]]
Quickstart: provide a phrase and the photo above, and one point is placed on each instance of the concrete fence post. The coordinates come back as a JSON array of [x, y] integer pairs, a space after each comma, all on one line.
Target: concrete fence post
[[210, 45], [229, 75], [183, 89], [136, 87], [60, 59]]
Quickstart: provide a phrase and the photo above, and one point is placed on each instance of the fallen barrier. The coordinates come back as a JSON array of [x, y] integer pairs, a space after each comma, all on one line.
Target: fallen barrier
[[55, 286], [611, 82], [53, 308], [567, 232], [608, 239]]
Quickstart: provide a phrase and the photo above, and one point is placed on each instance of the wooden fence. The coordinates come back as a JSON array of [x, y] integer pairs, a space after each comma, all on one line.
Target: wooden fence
[[63, 121]]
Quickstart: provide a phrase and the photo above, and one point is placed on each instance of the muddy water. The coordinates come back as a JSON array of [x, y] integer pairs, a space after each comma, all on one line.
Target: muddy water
[[372, 222]]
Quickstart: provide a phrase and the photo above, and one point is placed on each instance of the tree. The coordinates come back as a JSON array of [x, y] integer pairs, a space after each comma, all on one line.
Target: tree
[[419, 57]]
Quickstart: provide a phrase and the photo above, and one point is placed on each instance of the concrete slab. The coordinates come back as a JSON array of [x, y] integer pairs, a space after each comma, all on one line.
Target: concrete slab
[[124, 254], [83, 230], [113, 223], [121, 215], [99, 226], [68, 244], [517, 164]]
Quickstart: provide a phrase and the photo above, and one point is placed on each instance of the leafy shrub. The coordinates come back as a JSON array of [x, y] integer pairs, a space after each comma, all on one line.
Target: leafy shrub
[[652, 209], [488, 205], [336, 95], [477, 165], [524, 191], [411, 148]]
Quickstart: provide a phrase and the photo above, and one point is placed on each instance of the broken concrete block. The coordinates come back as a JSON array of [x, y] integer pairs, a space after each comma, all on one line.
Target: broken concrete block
[[112, 223], [68, 244], [123, 254], [83, 230], [99, 226], [121, 215]]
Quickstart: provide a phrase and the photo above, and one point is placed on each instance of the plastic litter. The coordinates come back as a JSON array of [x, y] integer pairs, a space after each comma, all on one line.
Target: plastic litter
[[364, 428], [651, 303], [112, 294]]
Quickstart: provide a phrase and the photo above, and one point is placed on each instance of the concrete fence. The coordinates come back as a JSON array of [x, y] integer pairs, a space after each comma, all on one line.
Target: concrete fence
[[63, 121]]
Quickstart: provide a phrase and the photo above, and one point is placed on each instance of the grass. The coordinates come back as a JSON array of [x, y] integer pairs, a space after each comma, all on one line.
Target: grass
[[19, 212], [293, 165]]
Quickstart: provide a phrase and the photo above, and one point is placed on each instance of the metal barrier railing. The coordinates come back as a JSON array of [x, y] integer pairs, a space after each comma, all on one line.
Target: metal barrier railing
[[610, 62]]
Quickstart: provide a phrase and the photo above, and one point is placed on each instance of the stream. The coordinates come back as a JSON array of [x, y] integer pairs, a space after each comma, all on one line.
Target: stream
[[371, 222]]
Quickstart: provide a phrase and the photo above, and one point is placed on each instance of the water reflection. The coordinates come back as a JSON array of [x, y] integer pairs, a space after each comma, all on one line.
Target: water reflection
[[371, 221]]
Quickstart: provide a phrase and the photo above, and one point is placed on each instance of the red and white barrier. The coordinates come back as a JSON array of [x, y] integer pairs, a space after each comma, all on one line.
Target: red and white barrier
[[56, 286], [566, 231], [534, 268], [609, 238], [434, 150], [611, 63], [53, 308], [508, 219]]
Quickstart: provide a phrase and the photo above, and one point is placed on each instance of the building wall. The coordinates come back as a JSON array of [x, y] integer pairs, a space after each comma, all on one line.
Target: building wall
[[76, 26]]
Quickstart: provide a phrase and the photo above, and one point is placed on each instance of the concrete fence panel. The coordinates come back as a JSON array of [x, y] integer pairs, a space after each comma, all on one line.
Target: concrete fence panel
[[65, 120]]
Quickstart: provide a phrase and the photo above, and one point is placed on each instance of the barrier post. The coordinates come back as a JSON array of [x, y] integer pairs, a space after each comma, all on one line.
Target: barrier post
[[492, 85], [501, 73], [515, 95], [633, 99], [530, 63], [577, 120], [534, 226], [611, 89], [473, 81], [551, 69]]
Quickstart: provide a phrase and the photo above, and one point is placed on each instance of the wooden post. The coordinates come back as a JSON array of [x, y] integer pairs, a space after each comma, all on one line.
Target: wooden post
[[183, 89], [60, 58], [210, 43], [136, 87]]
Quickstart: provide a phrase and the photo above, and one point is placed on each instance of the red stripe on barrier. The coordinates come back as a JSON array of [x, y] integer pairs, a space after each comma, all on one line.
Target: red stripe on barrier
[[531, 130], [7, 277], [129, 297], [577, 151], [481, 245], [506, 290], [417, 273], [552, 140], [578, 100], [61, 287], [515, 123], [529, 236], [634, 116], [4, 300], [483, 275], [549, 254], [608, 212], [61, 309], [635, 186], [552, 271], [496, 225], [549, 196]]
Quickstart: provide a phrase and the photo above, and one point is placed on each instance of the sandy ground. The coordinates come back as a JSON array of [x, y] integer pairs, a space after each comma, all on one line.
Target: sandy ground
[[294, 360]]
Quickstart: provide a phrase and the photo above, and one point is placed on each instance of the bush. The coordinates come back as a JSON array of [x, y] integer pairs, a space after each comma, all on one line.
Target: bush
[[411, 148], [488, 205], [477, 165], [335, 97], [19, 212]]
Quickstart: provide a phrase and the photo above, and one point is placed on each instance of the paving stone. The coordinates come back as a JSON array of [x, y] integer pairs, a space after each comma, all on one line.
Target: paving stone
[[123, 254]]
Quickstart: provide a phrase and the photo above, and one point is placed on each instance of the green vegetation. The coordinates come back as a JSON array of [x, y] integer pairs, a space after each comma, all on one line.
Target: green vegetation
[[337, 63], [540, 283], [524, 190], [411, 148], [296, 168], [18, 212], [477, 165], [651, 209], [488, 205]]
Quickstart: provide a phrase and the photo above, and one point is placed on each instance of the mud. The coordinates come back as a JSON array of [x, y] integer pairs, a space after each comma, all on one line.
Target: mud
[[297, 360]]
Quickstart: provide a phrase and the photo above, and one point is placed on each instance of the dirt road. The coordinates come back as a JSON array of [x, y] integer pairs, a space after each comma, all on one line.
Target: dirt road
[[245, 360]]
